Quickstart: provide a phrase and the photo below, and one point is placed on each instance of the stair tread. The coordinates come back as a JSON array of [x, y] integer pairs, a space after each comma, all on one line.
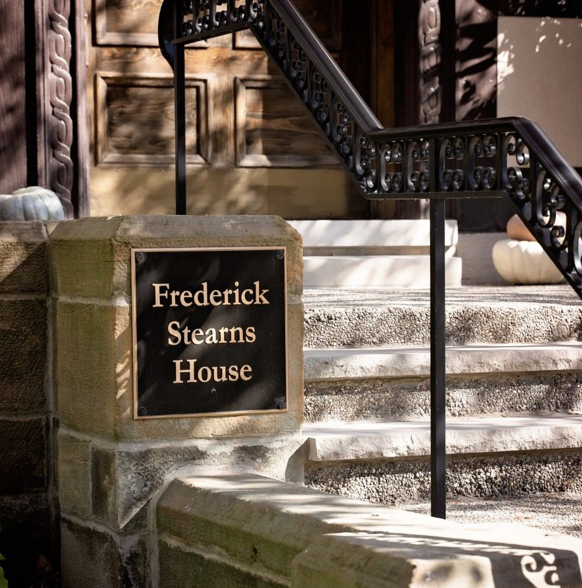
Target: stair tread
[[557, 295], [386, 233], [374, 439], [474, 358]]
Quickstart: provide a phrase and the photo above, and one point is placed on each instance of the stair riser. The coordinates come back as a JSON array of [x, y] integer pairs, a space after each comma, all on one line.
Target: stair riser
[[404, 481], [406, 325], [350, 400]]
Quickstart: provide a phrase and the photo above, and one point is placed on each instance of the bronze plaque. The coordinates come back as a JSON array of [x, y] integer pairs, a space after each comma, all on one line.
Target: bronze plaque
[[209, 331]]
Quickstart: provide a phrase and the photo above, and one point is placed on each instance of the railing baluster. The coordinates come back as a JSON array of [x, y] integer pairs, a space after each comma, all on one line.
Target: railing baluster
[[437, 345], [180, 113]]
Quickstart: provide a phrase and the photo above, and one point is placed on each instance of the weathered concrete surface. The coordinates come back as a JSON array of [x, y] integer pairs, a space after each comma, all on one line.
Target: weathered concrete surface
[[488, 558], [365, 440], [246, 522], [480, 394], [185, 565], [112, 483], [396, 482], [90, 279], [391, 362], [74, 474], [385, 234], [478, 314], [475, 251], [392, 271]]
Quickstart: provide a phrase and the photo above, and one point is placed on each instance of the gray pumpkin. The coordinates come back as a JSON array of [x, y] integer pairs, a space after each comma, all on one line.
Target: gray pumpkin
[[32, 203]]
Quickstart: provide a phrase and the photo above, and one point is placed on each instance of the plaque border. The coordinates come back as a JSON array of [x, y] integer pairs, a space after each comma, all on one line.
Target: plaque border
[[133, 252]]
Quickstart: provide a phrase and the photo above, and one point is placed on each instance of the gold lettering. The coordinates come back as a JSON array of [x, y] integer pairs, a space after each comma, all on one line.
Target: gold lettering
[[195, 334], [211, 336], [244, 298], [260, 297], [215, 294], [159, 295], [173, 331], [246, 369], [206, 377], [186, 295], [233, 332], [204, 293], [251, 336], [236, 295], [222, 332], [173, 295], [216, 377], [233, 373], [190, 370]]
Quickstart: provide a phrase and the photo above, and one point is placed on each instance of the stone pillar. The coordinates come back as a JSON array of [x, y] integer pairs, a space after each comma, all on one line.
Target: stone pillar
[[26, 474], [111, 466]]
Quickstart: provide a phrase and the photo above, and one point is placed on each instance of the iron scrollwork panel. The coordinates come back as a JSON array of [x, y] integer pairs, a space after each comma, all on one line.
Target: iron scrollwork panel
[[485, 158]]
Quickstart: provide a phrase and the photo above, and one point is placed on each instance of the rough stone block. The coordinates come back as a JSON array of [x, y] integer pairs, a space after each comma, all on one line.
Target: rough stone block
[[93, 366], [94, 374], [405, 559], [23, 355], [91, 257], [23, 257], [101, 560], [322, 541], [244, 517], [125, 479], [182, 566], [74, 475], [22, 455]]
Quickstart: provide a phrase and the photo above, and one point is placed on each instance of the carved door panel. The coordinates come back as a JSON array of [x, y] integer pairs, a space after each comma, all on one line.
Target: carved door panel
[[251, 147]]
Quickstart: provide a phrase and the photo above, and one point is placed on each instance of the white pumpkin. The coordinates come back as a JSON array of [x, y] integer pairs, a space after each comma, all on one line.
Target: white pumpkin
[[517, 230], [33, 203], [524, 262]]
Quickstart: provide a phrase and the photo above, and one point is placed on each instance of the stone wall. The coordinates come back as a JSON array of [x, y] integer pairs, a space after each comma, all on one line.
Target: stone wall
[[110, 466], [27, 500], [219, 530]]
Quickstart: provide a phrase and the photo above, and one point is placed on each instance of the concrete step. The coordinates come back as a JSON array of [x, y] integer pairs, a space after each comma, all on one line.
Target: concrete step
[[364, 317], [371, 237], [393, 383], [388, 462], [373, 253], [396, 271]]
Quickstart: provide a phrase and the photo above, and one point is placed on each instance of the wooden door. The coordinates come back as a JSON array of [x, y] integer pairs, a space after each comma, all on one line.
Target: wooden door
[[251, 147]]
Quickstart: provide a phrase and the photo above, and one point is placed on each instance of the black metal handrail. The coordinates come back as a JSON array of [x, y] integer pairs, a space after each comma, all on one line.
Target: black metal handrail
[[510, 157]]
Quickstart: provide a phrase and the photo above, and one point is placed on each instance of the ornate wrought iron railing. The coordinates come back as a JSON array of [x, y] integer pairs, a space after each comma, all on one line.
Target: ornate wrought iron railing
[[510, 157]]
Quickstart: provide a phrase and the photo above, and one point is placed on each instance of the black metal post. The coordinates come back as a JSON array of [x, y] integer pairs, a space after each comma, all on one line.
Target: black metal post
[[437, 359], [180, 115]]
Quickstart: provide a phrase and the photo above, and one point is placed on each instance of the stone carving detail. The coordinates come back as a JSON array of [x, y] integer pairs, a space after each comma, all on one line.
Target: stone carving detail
[[430, 58], [60, 88]]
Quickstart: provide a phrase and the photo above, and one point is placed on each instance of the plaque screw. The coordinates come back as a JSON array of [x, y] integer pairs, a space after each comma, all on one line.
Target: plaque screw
[[142, 411], [279, 254], [140, 257]]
